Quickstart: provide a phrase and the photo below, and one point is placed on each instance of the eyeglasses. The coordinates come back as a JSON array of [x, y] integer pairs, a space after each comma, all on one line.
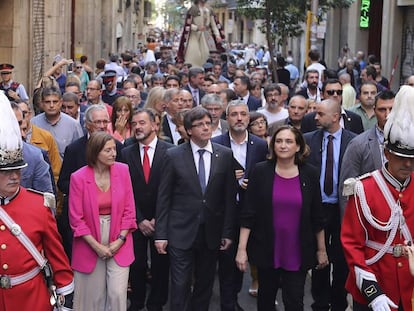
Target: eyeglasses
[[79, 67], [201, 124], [99, 122], [257, 123], [332, 92], [6, 73]]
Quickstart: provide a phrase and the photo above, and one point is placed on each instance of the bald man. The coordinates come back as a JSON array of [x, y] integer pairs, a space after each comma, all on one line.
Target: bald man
[[328, 144]]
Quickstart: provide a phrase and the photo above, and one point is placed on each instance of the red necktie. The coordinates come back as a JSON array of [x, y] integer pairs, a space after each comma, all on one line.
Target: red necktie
[[146, 164]]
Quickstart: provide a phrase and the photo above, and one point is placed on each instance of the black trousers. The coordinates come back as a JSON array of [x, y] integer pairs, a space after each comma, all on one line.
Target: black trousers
[[329, 295], [292, 284], [64, 228], [158, 295], [198, 261], [230, 278]]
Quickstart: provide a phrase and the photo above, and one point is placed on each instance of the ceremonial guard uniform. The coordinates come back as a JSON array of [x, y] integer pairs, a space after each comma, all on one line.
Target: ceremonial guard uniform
[[37, 222], [34, 271], [392, 269], [379, 219]]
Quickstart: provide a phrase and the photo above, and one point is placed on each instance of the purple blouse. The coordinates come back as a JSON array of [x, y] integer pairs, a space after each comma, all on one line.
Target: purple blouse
[[287, 205]]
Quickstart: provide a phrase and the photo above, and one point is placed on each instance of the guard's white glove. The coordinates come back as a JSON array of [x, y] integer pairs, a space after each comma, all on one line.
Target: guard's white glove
[[382, 303]]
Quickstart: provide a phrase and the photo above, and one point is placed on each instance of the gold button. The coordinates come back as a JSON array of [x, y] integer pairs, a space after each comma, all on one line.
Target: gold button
[[3, 246], [400, 195], [5, 266], [399, 264], [2, 227]]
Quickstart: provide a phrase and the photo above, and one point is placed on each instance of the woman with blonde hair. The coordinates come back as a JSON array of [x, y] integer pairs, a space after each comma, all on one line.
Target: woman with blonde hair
[[155, 99]]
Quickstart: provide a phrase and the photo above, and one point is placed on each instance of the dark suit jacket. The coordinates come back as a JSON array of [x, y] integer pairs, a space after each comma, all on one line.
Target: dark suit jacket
[[75, 158], [145, 194], [314, 140], [256, 150], [352, 122], [180, 201], [257, 214], [166, 128], [201, 93], [254, 103]]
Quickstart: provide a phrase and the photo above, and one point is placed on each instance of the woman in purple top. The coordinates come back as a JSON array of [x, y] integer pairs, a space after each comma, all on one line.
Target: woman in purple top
[[282, 222]]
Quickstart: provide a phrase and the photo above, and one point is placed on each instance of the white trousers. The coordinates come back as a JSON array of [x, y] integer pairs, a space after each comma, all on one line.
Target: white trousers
[[105, 289]]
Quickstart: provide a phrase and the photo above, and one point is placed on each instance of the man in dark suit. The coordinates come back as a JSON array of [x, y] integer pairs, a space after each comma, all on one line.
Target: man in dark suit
[[195, 212], [145, 194], [195, 82], [328, 146], [332, 89], [247, 151], [364, 153], [241, 88], [96, 119]]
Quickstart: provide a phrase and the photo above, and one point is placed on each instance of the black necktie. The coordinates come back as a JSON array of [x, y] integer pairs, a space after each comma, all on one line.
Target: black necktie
[[328, 183], [201, 170]]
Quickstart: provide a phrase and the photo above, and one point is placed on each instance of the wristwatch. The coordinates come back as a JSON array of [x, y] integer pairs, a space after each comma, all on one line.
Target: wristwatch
[[122, 237]]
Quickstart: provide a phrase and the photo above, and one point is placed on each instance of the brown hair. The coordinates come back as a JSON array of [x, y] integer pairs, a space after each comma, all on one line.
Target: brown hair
[[95, 145], [119, 103], [304, 150]]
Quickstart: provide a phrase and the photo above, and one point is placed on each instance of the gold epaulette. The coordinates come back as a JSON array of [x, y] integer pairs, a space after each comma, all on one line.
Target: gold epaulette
[[49, 199], [349, 184]]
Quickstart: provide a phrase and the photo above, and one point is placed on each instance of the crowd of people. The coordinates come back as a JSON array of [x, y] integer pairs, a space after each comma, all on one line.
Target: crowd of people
[[169, 170]]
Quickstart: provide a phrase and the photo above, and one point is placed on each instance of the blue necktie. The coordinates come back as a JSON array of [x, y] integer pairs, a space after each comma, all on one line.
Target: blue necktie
[[201, 170]]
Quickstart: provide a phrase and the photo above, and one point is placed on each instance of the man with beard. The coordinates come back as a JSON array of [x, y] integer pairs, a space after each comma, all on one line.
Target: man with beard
[[247, 150], [327, 147], [311, 90], [144, 159], [332, 89], [274, 110], [365, 109]]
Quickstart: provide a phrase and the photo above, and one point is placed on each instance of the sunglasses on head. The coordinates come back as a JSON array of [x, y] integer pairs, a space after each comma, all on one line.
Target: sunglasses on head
[[332, 92]]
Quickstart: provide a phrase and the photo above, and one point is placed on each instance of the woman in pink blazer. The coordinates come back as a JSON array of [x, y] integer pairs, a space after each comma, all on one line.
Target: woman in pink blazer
[[102, 217]]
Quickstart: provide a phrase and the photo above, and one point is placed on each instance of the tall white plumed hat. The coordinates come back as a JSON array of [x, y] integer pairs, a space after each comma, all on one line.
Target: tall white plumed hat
[[399, 128], [11, 145]]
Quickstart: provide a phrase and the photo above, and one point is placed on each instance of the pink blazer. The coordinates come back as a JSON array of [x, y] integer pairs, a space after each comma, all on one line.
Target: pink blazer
[[84, 215]]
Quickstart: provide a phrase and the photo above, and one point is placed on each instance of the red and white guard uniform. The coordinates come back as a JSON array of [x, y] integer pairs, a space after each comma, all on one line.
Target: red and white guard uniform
[[37, 222], [392, 273]]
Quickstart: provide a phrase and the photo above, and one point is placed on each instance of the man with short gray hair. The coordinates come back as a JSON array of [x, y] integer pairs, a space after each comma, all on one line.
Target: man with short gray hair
[[214, 104], [248, 149]]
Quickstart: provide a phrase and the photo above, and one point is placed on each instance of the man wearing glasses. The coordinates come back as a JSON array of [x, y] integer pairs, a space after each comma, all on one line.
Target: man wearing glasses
[[195, 212], [93, 95], [332, 89], [12, 89]]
